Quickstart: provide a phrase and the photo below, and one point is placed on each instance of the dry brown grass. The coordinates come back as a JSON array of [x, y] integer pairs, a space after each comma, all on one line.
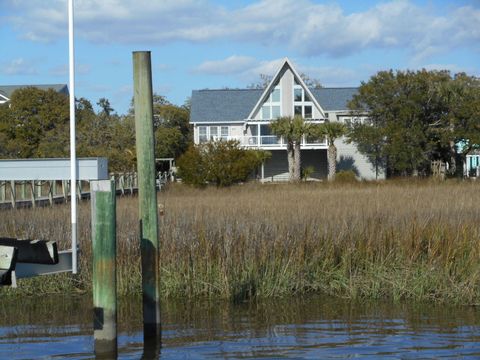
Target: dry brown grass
[[401, 240]]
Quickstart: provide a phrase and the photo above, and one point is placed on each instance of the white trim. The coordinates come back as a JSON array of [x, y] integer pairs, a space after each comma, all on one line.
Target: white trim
[[6, 99], [305, 88], [213, 123], [268, 89]]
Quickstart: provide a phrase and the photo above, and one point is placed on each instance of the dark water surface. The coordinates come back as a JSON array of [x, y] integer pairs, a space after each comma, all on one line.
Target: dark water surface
[[296, 328]]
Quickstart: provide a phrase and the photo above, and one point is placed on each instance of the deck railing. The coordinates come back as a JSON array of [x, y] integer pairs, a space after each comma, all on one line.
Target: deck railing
[[268, 141], [16, 193]]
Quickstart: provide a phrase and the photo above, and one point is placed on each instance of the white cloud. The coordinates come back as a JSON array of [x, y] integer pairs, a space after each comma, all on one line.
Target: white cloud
[[18, 66], [232, 65], [250, 73], [307, 27]]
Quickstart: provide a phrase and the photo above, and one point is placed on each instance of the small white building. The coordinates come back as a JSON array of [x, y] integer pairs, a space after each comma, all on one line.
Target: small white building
[[471, 167], [245, 115]]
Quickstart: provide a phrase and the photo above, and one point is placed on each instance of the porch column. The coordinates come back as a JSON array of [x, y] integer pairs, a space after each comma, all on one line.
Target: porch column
[[263, 170], [258, 134]]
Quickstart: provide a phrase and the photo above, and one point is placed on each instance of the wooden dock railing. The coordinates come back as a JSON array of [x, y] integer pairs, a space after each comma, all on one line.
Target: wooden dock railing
[[14, 193]]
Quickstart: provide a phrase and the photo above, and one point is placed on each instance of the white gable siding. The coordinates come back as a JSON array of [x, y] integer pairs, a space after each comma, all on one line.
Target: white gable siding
[[286, 83]]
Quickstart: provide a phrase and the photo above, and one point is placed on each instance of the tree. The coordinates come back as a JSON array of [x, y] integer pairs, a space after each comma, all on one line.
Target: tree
[[265, 80], [35, 124], [406, 113], [331, 131], [222, 163], [460, 123], [172, 130], [171, 125], [105, 106], [292, 129], [370, 141], [311, 82]]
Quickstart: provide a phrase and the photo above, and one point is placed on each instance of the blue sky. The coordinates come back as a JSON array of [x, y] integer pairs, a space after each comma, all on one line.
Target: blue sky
[[198, 44]]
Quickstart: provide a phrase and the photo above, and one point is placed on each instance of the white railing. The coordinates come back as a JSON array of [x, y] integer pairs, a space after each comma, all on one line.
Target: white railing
[[268, 141]]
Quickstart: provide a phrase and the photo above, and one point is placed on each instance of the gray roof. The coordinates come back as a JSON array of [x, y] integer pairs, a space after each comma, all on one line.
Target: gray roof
[[331, 99], [223, 105], [7, 90], [236, 104]]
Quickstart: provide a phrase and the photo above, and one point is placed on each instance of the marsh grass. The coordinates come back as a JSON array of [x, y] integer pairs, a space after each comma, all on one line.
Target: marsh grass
[[398, 240]]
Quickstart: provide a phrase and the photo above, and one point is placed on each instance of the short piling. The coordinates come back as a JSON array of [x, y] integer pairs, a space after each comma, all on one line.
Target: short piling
[[104, 268], [147, 196]]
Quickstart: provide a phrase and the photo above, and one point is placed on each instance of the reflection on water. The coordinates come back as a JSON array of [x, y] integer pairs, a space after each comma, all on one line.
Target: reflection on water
[[62, 328]]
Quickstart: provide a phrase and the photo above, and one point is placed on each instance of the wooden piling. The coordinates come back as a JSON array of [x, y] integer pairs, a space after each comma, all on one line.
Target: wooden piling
[[13, 194], [32, 185], [3, 191], [147, 195], [104, 268]]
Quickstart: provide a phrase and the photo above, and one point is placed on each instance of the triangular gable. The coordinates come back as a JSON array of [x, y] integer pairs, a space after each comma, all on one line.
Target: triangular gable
[[276, 78]]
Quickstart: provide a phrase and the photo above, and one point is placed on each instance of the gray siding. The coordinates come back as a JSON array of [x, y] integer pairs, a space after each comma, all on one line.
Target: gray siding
[[348, 158]]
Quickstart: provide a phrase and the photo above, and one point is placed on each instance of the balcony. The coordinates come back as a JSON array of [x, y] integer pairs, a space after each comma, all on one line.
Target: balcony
[[272, 142]]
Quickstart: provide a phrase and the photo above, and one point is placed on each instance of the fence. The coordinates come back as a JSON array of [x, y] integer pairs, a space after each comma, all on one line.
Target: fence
[[16, 193]]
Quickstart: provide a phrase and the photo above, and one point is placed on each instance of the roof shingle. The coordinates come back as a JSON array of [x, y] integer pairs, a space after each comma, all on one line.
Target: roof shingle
[[235, 104]]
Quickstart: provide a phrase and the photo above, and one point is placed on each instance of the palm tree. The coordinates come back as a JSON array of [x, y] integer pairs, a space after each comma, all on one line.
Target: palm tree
[[331, 131], [292, 130]]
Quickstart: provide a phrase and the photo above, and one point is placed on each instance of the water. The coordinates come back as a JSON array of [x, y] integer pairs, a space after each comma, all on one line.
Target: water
[[296, 328]]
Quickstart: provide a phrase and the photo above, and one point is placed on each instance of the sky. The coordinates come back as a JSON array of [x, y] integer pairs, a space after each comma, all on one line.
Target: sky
[[199, 44]]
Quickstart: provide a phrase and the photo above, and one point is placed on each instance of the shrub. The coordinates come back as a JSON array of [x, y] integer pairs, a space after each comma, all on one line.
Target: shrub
[[307, 172], [222, 163], [346, 176]]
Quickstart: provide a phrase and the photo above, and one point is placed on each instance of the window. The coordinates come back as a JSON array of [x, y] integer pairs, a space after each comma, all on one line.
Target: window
[[213, 133], [224, 132], [275, 112], [308, 112], [267, 138], [297, 94], [265, 112], [271, 108], [202, 134], [265, 130], [302, 103], [276, 95]]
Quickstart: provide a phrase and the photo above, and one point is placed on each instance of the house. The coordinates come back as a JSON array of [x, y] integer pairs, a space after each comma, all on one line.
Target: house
[[6, 91], [245, 115], [471, 164]]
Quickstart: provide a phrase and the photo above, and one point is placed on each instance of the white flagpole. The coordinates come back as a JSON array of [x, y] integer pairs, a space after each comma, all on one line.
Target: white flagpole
[[73, 155]]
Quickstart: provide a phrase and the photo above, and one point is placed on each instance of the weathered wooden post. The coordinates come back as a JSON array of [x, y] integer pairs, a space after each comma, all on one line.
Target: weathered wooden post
[[147, 195], [32, 185], [13, 193], [23, 192], [104, 268], [3, 191]]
